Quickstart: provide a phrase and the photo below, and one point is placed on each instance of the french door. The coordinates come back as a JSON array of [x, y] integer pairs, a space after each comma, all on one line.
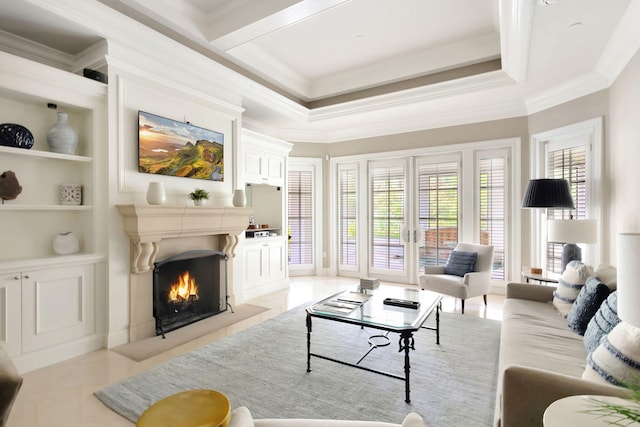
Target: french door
[[396, 216]]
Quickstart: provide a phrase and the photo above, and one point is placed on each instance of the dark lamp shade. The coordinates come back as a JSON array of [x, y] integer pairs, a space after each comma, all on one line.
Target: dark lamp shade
[[548, 193]]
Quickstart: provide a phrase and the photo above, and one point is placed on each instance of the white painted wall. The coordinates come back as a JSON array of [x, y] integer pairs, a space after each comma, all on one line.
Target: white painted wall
[[624, 152]]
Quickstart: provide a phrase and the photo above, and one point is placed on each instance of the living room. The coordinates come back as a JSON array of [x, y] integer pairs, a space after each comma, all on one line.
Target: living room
[[150, 71]]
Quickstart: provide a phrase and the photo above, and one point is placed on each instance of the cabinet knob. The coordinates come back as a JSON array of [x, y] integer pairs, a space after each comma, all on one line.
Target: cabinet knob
[[26, 276], [16, 278]]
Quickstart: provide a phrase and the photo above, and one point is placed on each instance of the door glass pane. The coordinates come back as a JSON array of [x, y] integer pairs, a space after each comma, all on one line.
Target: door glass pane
[[387, 217], [348, 218], [300, 212], [492, 210], [570, 164], [438, 211]]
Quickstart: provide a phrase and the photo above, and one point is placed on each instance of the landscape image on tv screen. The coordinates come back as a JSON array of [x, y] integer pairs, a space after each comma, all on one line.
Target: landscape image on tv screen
[[169, 147]]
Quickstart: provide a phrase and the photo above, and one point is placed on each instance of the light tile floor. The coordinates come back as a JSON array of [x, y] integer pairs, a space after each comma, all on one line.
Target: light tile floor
[[62, 394]]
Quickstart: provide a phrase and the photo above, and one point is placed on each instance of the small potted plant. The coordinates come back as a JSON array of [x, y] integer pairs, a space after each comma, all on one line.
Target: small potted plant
[[199, 196]]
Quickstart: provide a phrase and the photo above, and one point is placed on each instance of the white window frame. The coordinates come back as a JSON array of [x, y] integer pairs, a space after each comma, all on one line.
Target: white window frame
[[592, 130]]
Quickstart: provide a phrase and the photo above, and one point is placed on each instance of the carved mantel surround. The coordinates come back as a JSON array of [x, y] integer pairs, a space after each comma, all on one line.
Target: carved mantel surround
[[146, 225]]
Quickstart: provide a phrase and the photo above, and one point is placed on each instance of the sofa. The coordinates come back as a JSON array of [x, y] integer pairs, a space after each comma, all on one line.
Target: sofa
[[10, 383], [541, 358]]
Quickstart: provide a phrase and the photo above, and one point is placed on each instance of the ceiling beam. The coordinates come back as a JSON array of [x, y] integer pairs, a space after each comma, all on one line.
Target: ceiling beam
[[283, 17]]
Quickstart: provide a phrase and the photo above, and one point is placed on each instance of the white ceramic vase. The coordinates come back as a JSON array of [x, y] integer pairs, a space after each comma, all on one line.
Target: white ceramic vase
[[239, 200], [66, 243], [200, 202], [61, 138], [156, 194]]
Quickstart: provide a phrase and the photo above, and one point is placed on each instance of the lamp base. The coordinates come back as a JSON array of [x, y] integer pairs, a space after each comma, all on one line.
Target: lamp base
[[570, 252]]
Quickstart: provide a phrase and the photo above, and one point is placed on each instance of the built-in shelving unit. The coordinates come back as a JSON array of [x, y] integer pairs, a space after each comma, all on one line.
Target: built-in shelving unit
[[54, 312]]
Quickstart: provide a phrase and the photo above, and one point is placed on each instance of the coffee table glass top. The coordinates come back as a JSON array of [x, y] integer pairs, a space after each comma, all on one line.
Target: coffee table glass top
[[369, 309]]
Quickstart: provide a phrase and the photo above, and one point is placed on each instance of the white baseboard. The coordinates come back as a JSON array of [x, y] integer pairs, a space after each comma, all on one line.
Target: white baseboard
[[39, 359]]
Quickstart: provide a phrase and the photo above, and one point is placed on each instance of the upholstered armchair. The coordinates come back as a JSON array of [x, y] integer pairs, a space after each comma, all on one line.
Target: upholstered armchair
[[464, 276], [10, 383]]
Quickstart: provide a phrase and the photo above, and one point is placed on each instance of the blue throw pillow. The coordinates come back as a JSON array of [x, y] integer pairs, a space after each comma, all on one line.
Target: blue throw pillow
[[460, 263], [605, 319], [591, 296]]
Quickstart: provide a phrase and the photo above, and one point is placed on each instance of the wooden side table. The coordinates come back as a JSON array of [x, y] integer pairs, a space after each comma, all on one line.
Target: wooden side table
[[568, 412], [539, 278], [191, 408]]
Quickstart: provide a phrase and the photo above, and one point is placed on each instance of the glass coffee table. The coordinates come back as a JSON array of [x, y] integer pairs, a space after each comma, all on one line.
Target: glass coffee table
[[388, 308]]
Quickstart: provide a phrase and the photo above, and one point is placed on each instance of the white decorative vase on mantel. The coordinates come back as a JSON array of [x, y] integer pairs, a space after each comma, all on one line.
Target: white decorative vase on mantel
[[239, 199], [156, 194], [200, 202]]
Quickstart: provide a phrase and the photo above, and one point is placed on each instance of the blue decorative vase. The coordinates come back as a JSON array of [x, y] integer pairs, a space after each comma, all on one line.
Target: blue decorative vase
[[61, 138]]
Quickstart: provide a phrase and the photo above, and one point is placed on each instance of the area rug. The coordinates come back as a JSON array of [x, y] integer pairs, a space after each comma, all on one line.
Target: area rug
[[145, 348], [264, 368]]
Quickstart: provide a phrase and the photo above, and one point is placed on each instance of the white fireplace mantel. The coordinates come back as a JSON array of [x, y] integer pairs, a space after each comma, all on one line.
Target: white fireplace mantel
[[146, 225]]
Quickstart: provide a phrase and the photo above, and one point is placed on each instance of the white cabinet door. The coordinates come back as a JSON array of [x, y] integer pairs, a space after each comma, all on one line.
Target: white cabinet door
[[58, 305], [276, 260], [254, 266], [264, 263], [10, 338], [263, 168]]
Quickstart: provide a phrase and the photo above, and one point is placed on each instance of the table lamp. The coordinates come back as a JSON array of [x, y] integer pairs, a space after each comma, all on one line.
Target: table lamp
[[548, 193], [570, 232]]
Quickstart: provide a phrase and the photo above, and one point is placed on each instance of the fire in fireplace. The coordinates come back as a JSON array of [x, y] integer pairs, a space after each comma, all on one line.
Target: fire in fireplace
[[188, 287]]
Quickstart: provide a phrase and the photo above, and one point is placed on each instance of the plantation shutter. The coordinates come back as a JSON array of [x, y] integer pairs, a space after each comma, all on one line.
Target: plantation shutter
[[438, 211], [348, 215], [387, 217], [492, 210], [568, 163], [300, 212]]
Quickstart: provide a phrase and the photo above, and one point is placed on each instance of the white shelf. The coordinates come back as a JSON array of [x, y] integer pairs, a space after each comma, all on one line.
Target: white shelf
[[24, 264], [62, 208], [44, 154]]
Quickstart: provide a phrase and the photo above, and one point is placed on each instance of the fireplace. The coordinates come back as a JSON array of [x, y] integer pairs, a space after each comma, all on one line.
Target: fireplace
[[188, 287]]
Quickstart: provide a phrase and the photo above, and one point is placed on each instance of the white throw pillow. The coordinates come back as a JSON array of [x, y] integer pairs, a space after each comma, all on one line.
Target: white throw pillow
[[241, 417], [413, 420], [617, 359], [607, 275]]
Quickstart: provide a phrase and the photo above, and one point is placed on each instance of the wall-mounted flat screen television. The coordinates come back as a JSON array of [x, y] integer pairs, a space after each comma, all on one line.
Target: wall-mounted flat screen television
[[170, 147]]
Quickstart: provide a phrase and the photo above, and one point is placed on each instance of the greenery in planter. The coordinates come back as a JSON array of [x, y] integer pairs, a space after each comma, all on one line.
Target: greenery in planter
[[199, 194], [615, 414]]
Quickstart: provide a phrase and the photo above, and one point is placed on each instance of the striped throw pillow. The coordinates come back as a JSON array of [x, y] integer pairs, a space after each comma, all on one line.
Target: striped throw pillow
[[617, 358], [605, 319]]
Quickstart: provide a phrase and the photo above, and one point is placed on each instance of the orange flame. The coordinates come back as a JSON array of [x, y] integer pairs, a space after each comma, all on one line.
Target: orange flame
[[185, 289]]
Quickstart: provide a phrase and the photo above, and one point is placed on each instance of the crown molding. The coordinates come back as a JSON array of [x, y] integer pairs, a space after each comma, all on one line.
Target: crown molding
[[465, 85], [568, 91], [37, 52], [417, 118]]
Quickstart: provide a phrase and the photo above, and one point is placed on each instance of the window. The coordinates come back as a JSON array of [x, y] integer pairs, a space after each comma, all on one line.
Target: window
[[387, 217], [300, 211], [348, 215], [438, 211], [492, 210], [567, 163]]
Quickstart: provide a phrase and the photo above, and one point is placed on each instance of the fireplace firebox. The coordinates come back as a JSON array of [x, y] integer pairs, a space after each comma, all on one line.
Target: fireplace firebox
[[188, 287]]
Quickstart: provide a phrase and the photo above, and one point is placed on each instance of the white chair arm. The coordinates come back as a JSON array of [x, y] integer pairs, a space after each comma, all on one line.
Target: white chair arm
[[434, 269], [478, 282]]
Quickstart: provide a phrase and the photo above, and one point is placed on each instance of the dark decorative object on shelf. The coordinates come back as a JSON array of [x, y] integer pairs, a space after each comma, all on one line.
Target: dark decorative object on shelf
[[9, 186], [13, 135], [94, 75]]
